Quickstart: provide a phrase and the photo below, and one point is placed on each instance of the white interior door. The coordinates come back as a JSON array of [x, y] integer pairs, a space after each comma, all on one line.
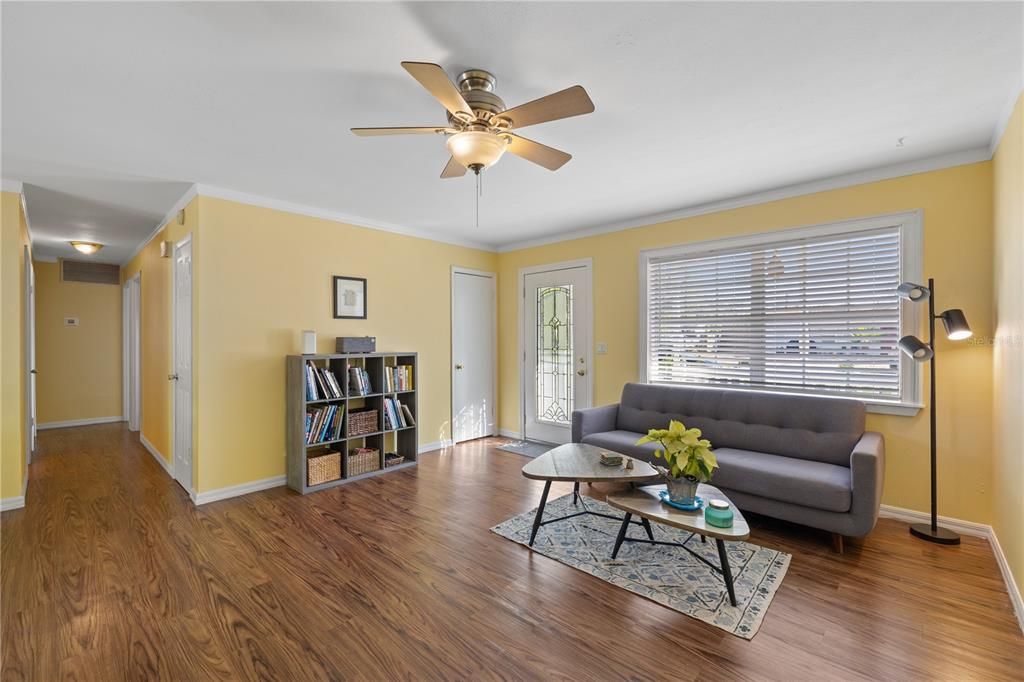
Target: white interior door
[[132, 367], [556, 329], [182, 376], [30, 355], [474, 361]]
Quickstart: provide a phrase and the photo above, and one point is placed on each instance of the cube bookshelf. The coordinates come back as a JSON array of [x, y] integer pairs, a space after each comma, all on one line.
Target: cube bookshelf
[[401, 441]]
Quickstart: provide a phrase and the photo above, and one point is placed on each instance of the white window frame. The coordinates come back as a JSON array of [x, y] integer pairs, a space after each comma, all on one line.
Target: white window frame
[[911, 226]]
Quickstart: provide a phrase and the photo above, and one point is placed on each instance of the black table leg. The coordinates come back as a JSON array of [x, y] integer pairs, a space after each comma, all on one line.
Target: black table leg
[[647, 527], [622, 534], [540, 511], [726, 571], [575, 492]]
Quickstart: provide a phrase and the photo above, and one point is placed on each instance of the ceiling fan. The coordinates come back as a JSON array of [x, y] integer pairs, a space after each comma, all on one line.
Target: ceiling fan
[[479, 126]]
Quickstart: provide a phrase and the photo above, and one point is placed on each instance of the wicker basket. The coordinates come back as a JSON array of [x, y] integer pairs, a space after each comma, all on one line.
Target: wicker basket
[[361, 422], [323, 468], [392, 460], [363, 460]]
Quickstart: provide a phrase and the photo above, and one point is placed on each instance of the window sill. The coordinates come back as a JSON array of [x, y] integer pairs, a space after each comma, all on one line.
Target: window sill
[[897, 409]]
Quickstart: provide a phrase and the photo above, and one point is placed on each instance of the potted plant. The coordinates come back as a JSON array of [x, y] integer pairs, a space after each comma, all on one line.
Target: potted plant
[[688, 460]]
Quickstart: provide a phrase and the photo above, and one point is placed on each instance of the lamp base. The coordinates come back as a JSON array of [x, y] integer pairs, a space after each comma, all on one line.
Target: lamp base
[[942, 536]]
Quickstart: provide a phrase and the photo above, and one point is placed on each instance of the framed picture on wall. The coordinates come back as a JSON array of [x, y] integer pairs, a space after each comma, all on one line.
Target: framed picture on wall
[[349, 298]]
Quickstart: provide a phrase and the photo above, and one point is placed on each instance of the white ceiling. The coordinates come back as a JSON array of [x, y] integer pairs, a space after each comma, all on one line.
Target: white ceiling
[[110, 110]]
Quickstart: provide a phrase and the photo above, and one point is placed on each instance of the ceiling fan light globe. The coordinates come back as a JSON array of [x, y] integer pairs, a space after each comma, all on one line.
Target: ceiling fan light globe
[[476, 148]]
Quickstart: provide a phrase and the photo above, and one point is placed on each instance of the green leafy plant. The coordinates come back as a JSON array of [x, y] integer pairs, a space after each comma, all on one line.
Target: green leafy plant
[[684, 451]]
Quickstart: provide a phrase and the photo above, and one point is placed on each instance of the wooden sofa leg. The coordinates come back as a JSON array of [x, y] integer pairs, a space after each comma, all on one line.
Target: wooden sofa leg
[[837, 543]]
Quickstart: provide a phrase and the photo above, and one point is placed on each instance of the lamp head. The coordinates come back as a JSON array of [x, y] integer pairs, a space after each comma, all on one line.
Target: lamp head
[[956, 325], [913, 292], [916, 349]]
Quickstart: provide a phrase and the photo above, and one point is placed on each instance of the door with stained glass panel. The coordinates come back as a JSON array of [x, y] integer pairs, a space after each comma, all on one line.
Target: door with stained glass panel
[[556, 344]]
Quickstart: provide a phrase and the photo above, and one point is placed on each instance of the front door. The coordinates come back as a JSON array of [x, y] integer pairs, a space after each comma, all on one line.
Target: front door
[[473, 355], [182, 376], [556, 345]]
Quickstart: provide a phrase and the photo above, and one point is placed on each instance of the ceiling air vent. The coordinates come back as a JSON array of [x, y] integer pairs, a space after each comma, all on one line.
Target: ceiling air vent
[[93, 273]]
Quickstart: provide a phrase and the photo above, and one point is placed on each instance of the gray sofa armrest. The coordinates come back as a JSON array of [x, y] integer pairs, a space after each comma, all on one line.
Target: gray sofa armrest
[[593, 420], [867, 474]]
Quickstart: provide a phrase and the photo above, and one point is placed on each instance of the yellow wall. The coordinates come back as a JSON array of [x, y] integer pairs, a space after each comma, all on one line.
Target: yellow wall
[[266, 275], [13, 239], [79, 367], [958, 254], [1008, 453], [155, 339]]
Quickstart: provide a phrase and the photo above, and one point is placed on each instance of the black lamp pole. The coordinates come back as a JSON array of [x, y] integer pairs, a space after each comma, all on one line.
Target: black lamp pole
[[933, 532]]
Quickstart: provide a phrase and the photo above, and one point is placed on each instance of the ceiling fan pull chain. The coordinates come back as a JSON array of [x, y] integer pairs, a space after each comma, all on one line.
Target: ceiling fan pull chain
[[478, 200]]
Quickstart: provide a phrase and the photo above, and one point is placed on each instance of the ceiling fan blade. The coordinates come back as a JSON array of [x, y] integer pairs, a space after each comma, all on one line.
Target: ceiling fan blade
[[540, 154], [454, 169], [372, 132], [437, 83], [572, 101]]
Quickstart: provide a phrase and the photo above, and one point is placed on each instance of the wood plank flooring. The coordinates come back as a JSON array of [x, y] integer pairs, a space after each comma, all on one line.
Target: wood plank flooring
[[110, 573]]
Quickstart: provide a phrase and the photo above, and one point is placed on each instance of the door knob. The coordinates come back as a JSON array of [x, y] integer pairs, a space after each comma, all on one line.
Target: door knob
[[172, 377], [458, 366], [581, 372]]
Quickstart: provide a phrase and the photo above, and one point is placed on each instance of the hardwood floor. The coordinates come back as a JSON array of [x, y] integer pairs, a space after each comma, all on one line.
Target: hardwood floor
[[110, 573]]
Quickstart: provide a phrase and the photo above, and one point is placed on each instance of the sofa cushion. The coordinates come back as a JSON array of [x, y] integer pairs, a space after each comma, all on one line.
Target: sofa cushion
[[804, 427], [623, 442], [809, 484]]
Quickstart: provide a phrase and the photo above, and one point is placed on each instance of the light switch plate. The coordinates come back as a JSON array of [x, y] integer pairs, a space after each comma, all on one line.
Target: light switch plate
[[602, 348], [70, 321]]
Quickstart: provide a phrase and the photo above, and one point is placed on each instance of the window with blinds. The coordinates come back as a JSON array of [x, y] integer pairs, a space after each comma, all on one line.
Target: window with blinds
[[816, 314]]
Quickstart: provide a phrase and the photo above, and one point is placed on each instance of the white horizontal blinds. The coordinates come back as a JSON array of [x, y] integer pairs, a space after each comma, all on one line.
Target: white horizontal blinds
[[816, 315]]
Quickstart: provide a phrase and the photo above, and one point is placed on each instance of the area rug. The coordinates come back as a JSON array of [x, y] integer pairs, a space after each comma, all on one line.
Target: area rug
[[667, 575], [528, 448]]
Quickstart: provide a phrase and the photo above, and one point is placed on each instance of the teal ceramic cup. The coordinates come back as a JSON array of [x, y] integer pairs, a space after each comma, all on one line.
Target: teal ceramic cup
[[718, 513]]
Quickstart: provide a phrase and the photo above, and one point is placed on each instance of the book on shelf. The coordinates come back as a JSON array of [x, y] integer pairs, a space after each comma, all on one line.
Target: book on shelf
[[408, 415], [321, 384], [324, 424], [394, 417], [359, 381], [398, 378]]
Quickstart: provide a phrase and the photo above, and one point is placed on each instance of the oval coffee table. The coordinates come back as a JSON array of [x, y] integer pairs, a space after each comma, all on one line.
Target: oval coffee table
[[581, 463], [646, 504]]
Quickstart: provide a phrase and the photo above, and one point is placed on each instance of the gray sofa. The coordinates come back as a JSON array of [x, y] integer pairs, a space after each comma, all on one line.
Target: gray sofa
[[798, 458]]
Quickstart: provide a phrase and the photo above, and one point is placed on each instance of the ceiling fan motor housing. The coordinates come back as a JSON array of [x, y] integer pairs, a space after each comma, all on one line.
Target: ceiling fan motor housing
[[477, 88]]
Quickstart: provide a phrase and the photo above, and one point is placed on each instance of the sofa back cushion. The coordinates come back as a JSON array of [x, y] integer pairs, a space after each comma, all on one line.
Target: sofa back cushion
[[819, 429]]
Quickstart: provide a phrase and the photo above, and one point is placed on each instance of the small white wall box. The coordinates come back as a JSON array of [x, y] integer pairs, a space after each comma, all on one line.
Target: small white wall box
[[70, 321], [308, 342]]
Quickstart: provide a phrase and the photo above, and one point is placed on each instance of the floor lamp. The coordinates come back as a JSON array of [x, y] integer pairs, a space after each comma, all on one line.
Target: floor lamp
[[956, 329]]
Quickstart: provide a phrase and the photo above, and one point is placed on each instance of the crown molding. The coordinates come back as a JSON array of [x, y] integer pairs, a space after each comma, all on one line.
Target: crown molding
[[181, 203], [335, 216], [11, 185], [1005, 115], [931, 163]]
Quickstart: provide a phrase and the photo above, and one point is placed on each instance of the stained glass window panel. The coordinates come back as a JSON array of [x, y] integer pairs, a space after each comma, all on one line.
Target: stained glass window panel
[[554, 354]]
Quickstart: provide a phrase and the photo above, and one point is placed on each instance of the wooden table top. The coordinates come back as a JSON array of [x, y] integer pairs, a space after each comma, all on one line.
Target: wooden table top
[[646, 503], [581, 462]]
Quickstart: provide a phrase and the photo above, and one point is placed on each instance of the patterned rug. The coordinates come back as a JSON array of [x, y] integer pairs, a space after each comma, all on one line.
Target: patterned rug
[[667, 575]]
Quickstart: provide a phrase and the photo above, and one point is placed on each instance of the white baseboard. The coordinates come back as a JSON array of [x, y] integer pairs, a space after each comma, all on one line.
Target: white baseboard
[[78, 422], [509, 433], [156, 455], [9, 503], [979, 530], [437, 445], [238, 490], [1011, 585]]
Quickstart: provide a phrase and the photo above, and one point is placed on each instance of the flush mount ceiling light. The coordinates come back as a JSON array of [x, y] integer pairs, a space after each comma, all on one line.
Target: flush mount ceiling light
[[88, 248]]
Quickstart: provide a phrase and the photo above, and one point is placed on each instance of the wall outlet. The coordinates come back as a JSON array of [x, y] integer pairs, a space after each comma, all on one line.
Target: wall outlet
[[602, 348], [70, 321]]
